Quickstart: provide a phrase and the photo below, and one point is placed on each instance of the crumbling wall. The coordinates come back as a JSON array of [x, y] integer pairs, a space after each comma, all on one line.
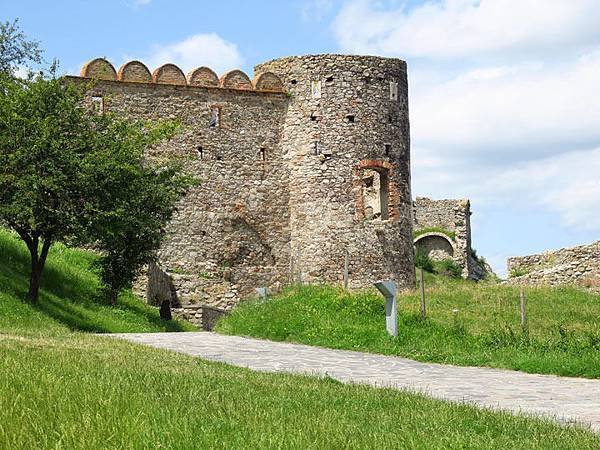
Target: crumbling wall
[[574, 265], [448, 236]]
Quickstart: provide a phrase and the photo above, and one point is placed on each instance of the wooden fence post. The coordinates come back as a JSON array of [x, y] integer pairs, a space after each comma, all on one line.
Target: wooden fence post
[[422, 286], [523, 310], [346, 264]]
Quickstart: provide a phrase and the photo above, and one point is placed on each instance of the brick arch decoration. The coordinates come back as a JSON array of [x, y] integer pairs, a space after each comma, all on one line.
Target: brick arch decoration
[[380, 166], [169, 74], [134, 71], [236, 79], [268, 81], [99, 69], [437, 241], [203, 76]]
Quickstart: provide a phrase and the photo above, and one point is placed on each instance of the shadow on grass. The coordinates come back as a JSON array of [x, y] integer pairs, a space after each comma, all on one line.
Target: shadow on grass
[[70, 292]]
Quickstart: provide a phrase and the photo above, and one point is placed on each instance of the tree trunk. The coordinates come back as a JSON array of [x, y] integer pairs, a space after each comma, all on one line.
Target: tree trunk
[[37, 266]]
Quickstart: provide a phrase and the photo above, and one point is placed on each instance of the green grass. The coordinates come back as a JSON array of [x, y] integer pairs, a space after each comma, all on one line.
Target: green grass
[[70, 297], [563, 335], [450, 234], [63, 388], [92, 392]]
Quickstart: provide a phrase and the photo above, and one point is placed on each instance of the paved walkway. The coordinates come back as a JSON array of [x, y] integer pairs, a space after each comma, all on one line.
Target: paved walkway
[[565, 399]]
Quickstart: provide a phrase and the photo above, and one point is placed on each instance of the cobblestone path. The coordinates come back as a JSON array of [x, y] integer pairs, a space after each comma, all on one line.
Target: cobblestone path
[[565, 399]]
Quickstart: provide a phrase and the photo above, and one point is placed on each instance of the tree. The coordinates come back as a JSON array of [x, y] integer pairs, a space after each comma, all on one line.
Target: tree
[[132, 200], [15, 48], [67, 174]]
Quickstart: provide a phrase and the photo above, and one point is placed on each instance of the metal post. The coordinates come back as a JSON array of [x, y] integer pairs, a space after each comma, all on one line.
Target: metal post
[[388, 290]]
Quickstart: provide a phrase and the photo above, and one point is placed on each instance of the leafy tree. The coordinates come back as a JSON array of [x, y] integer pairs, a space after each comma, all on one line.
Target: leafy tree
[[15, 48], [69, 175], [132, 200]]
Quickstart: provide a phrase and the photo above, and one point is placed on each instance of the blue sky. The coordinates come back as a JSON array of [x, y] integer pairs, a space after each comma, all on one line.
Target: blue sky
[[504, 94]]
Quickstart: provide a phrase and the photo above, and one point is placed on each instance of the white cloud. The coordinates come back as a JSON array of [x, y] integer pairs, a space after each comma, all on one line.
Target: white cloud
[[316, 10], [198, 50], [504, 97], [466, 28]]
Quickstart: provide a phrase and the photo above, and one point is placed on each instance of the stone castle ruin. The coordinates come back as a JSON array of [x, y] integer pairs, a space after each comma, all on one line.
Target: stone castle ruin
[[442, 230], [304, 168], [574, 265]]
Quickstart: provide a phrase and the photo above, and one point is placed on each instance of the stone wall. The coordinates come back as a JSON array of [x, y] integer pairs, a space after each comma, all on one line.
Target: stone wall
[[282, 161], [449, 224], [574, 265]]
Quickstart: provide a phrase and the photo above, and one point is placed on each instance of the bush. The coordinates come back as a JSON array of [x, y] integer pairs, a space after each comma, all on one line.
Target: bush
[[448, 268], [423, 261]]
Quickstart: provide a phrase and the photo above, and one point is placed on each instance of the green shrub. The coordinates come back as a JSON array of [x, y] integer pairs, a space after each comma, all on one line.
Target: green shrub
[[447, 268], [518, 272], [423, 261]]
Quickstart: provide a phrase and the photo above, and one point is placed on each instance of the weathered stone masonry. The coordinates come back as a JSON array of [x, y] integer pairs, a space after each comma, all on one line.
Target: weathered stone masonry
[[283, 159], [574, 265], [443, 231]]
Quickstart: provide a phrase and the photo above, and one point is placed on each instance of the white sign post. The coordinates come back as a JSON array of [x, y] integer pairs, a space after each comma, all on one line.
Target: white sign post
[[388, 290]]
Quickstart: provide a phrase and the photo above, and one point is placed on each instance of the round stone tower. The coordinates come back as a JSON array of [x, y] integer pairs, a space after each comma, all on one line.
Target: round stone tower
[[346, 142]]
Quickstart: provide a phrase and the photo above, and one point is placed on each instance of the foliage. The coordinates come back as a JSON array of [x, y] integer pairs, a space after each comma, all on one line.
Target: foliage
[[72, 176], [518, 272], [15, 48], [448, 268], [450, 234], [70, 297], [563, 331], [423, 261], [130, 199]]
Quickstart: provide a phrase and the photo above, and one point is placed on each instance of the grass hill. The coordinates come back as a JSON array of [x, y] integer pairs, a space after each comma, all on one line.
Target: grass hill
[[69, 297], [61, 387], [468, 323]]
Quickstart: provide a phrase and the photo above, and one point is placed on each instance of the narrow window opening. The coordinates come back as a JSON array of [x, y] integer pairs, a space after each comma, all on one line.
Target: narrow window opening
[[98, 104], [375, 192], [215, 117], [316, 149], [393, 90], [263, 154], [315, 88], [388, 149], [313, 117], [294, 81], [200, 152], [329, 79], [350, 118]]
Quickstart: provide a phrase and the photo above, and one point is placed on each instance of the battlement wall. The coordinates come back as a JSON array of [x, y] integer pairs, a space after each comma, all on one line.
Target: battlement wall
[[137, 72], [230, 234]]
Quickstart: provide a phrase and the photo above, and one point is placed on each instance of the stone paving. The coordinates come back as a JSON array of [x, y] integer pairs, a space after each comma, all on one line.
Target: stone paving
[[565, 399]]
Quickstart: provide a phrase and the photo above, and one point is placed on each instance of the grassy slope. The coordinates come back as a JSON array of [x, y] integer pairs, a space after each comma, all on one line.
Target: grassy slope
[[66, 389], [563, 337], [82, 391], [69, 297]]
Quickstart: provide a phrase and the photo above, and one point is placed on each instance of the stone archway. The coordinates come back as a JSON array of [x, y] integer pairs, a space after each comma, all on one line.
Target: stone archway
[[436, 245]]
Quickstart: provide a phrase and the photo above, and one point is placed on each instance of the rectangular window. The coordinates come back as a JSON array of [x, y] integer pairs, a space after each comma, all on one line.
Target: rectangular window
[[315, 89], [393, 90], [97, 104], [215, 117]]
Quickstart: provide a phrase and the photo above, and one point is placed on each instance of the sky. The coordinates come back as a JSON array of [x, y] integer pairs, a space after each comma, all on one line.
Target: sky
[[504, 95]]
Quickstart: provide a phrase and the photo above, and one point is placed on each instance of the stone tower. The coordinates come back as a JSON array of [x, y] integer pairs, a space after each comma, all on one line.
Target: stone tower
[[346, 142]]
